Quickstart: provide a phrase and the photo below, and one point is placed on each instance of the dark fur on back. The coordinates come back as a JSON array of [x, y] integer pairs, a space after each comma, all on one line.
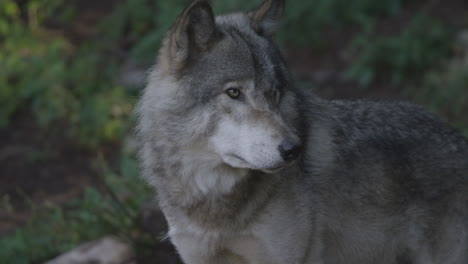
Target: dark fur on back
[[394, 165]]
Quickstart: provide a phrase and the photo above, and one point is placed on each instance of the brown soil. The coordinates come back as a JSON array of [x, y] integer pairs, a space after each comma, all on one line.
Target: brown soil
[[38, 165]]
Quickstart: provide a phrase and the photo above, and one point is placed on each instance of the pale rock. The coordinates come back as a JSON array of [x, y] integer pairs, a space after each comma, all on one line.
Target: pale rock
[[107, 250]]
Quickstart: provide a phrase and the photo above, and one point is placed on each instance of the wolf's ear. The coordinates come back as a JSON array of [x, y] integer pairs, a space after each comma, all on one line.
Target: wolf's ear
[[265, 18], [194, 30]]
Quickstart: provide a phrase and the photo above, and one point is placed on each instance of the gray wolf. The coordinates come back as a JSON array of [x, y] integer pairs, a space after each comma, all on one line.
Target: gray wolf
[[250, 169]]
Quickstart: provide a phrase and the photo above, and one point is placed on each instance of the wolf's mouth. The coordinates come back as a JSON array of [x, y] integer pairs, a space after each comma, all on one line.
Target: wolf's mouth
[[274, 169], [237, 161], [279, 167], [239, 158]]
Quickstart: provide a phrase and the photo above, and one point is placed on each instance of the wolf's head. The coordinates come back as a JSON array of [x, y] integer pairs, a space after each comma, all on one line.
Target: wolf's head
[[222, 86]]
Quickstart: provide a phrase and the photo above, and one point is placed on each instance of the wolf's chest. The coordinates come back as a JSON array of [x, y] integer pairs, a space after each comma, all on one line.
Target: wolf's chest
[[249, 248], [240, 247]]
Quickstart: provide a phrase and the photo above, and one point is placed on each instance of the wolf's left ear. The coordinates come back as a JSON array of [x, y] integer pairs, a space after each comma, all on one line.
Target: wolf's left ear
[[265, 18]]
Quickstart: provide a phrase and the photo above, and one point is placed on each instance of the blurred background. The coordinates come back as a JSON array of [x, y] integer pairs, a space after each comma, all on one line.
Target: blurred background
[[71, 72]]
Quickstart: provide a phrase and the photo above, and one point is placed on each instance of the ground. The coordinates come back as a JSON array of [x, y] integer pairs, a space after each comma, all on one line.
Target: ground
[[38, 167]]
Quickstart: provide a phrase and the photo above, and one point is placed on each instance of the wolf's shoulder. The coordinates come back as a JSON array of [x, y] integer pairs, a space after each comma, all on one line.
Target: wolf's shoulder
[[394, 129], [407, 144], [397, 119]]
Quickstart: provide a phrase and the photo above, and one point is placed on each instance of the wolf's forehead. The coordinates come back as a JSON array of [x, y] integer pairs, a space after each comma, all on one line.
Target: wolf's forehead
[[239, 55], [265, 61]]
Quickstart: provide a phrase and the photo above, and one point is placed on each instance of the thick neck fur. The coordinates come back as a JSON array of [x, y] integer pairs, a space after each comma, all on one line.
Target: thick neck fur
[[202, 188]]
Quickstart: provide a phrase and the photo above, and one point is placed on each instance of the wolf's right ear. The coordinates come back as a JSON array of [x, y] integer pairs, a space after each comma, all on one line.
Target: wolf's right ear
[[195, 30]]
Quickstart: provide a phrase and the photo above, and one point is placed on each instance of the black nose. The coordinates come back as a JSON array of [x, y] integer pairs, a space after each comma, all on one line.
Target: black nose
[[289, 151]]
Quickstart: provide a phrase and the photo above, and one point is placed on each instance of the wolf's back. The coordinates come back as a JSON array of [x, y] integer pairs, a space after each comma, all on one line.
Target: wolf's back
[[394, 164]]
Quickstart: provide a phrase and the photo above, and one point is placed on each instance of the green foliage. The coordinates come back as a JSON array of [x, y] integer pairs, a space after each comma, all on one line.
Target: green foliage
[[149, 20], [445, 91], [44, 73], [25, 71], [305, 21], [420, 47], [74, 85], [142, 25], [55, 229]]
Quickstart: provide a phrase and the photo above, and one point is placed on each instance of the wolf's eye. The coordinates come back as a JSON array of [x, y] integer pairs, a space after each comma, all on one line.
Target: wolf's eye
[[234, 93]]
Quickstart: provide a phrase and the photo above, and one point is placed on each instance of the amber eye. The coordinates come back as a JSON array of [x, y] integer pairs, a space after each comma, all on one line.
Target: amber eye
[[234, 93]]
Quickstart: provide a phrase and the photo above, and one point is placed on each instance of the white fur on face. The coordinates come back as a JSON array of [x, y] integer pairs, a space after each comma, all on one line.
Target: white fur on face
[[248, 144], [207, 172]]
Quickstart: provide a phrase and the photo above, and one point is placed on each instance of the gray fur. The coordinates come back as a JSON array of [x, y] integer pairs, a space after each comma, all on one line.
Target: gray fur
[[378, 182]]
